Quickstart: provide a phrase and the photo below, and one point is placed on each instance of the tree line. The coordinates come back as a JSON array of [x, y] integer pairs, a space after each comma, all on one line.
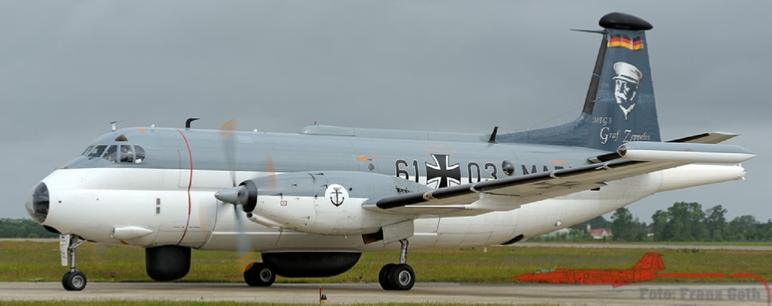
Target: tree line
[[23, 228], [681, 222]]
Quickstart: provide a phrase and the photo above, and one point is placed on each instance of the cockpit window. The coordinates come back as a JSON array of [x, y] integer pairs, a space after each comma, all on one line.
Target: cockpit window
[[139, 154], [97, 151], [111, 153], [87, 151], [130, 154], [126, 155]]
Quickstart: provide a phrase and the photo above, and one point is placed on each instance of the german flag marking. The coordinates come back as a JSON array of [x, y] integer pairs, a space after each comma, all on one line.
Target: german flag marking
[[634, 44]]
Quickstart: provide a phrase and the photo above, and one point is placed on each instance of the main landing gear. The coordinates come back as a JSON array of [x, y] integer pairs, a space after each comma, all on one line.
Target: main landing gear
[[258, 274], [398, 276], [73, 280]]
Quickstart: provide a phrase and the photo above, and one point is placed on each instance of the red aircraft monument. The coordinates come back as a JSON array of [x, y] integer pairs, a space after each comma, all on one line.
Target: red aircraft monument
[[645, 270]]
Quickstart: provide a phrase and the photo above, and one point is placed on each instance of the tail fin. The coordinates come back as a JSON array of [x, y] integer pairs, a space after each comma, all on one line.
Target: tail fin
[[650, 261], [619, 106]]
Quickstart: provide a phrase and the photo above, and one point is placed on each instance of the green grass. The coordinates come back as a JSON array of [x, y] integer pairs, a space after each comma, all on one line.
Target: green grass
[[153, 303], [39, 262], [699, 243]]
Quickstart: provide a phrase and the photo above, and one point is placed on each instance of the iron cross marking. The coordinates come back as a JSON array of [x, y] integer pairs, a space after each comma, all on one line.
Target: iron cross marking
[[338, 199], [442, 172]]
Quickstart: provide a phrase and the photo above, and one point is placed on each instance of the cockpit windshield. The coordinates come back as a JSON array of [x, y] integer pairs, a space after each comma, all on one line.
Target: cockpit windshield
[[96, 151], [110, 153], [545, 270], [116, 153]]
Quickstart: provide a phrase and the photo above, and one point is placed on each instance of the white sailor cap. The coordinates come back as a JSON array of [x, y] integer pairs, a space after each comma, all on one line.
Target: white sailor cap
[[627, 72]]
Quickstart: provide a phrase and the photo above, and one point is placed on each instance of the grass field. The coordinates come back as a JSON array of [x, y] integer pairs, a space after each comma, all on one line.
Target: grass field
[[219, 303], [39, 262]]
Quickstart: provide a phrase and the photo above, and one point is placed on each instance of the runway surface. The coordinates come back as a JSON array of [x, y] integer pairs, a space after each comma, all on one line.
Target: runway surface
[[638, 294]]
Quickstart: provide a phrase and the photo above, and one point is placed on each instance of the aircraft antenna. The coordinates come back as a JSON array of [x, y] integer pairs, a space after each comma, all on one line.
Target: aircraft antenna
[[113, 125], [187, 122], [589, 31], [493, 135]]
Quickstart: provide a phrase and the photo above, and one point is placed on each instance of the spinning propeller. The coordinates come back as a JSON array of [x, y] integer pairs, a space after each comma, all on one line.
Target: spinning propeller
[[236, 195]]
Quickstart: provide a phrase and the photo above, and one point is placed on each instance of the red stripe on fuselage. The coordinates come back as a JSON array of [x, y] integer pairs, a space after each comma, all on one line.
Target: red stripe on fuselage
[[190, 182]]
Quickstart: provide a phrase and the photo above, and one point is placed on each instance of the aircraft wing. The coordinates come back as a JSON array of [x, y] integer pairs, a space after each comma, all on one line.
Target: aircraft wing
[[527, 188], [634, 158]]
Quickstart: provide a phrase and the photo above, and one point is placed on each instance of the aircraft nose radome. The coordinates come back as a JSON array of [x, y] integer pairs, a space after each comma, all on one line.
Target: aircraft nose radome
[[38, 202]]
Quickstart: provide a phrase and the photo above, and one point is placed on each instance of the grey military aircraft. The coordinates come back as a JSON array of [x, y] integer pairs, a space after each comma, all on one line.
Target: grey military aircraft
[[312, 202]]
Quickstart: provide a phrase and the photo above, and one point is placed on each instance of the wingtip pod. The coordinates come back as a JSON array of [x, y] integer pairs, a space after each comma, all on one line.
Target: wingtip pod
[[684, 152], [698, 175], [622, 21]]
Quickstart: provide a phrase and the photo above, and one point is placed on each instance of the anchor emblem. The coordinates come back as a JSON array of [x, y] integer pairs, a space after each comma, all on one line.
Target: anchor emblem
[[338, 197]]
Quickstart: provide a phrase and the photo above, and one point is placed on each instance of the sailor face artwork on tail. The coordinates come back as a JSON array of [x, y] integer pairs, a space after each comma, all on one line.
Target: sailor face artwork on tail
[[626, 85]]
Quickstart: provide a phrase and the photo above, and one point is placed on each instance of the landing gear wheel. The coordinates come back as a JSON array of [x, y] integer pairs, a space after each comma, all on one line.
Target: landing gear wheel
[[383, 276], [398, 276], [258, 274], [401, 277], [74, 281]]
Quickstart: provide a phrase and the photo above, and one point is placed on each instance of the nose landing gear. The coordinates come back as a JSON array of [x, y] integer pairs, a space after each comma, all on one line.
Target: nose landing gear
[[398, 276], [73, 280]]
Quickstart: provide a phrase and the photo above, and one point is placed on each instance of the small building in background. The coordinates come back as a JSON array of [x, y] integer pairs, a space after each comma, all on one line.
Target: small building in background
[[599, 233]]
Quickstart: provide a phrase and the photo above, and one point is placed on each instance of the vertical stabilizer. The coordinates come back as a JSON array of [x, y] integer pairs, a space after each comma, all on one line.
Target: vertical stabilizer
[[619, 106], [650, 261]]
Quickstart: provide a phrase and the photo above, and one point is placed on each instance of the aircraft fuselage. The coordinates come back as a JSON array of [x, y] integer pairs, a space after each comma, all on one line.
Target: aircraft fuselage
[[170, 189]]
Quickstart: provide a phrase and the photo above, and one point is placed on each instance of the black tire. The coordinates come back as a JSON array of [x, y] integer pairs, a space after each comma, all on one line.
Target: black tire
[[65, 284], [401, 277], [383, 276], [74, 281], [259, 275]]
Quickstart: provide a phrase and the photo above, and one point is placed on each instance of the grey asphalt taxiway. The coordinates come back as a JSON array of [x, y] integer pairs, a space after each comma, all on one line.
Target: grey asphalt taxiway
[[439, 293]]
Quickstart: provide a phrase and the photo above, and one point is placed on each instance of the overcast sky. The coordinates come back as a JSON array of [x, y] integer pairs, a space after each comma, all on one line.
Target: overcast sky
[[68, 68]]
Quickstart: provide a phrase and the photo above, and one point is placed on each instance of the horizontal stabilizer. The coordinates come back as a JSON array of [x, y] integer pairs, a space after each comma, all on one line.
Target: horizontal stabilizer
[[684, 152]]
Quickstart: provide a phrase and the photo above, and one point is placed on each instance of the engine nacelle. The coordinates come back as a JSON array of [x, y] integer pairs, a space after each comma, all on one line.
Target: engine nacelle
[[328, 203]]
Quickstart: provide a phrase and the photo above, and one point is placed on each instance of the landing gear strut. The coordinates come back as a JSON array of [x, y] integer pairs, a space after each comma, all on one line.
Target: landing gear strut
[[258, 274], [73, 280], [398, 276]]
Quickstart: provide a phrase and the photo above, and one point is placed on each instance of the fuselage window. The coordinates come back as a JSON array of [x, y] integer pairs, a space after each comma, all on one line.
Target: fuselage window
[[126, 155], [111, 154], [139, 154], [97, 151]]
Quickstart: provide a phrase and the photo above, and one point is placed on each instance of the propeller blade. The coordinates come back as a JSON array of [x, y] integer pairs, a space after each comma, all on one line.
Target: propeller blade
[[242, 242], [229, 146], [270, 169], [237, 195]]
